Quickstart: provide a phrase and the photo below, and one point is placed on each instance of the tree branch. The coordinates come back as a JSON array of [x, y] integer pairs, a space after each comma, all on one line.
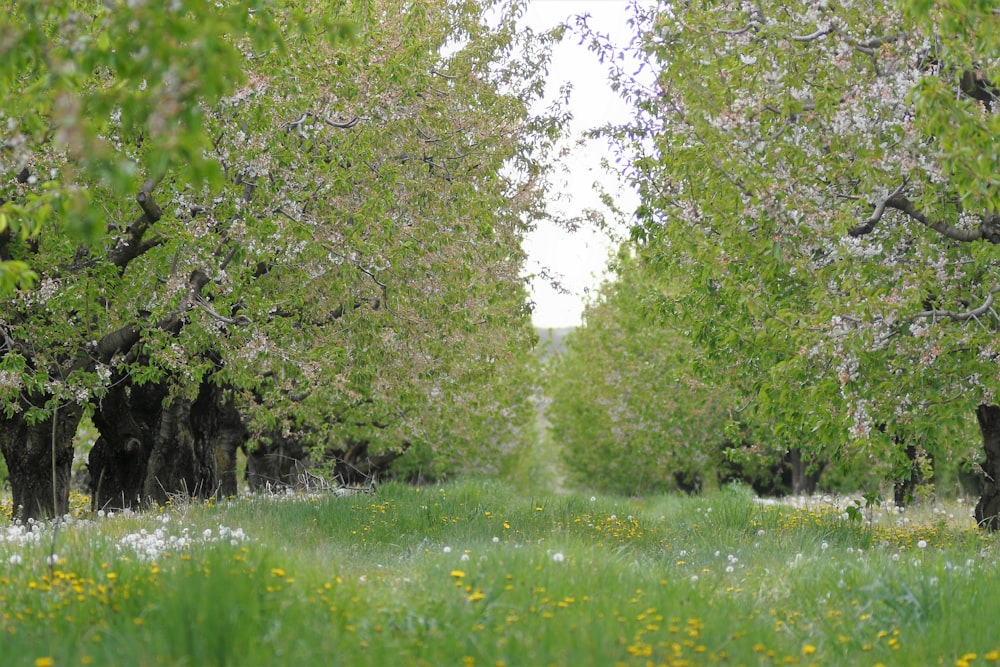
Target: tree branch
[[811, 37], [133, 245], [973, 314], [306, 115], [901, 203], [122, 340], [238, 320], [868, 225], [988, 230]]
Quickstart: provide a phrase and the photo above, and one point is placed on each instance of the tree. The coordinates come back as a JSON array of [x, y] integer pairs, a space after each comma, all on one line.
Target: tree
[[333, 248], [625, 408], [821, 177]]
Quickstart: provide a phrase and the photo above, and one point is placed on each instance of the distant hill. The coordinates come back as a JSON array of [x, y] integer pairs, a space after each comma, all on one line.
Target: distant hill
[[551, 340]]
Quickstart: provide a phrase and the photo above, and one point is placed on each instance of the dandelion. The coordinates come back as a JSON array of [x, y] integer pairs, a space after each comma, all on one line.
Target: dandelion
[[922, 544], [446, 550], [558, 557], [808, 649], [458, 574], [496, 540], [15, 559], [464, 557], [44, 662]]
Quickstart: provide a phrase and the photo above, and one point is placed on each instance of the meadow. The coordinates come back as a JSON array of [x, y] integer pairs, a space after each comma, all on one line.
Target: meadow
[[479, 573]]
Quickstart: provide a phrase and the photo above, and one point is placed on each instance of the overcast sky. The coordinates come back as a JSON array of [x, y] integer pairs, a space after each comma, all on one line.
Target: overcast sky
[[579, 257]]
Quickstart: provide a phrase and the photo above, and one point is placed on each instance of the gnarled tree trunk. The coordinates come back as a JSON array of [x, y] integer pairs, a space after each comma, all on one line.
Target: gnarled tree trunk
[[988, 507], [218, 432], [153, 447], [28, 448], [127, 419]]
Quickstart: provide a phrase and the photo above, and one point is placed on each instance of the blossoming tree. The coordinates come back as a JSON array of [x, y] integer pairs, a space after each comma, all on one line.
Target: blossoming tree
[[822, 178], [626, 409], [308, 238]]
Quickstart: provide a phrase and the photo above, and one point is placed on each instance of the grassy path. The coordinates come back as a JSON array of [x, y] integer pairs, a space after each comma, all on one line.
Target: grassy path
[[477, 573]]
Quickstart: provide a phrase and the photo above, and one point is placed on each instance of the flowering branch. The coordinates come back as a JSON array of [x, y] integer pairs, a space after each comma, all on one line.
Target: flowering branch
[[238, 320], [901, 203], [987, 306], [988, 230], [813, 36], [868, 225]]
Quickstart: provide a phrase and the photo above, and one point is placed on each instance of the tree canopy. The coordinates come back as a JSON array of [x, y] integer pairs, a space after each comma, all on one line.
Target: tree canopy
[[235, 223], [818, 180], [626, 408]]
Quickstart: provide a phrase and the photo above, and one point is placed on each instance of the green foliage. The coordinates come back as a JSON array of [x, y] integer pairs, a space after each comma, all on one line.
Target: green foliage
[[816, 188], [319, 208], [91, 76], [624, 405], [857, 511]]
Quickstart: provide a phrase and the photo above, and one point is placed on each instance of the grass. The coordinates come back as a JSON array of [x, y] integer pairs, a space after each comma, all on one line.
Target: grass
[[478, 573]]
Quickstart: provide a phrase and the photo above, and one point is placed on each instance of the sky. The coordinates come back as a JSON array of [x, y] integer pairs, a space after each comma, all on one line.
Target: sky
[[578, 257]]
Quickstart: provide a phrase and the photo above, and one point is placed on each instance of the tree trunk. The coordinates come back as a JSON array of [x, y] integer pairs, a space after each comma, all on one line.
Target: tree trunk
[[285, 462], [988, 507], [127, 419], [355, 467], [805, 475], [27, 449], [173, 468], [218, 431], [905, 487], [276, 465], [150, 451]]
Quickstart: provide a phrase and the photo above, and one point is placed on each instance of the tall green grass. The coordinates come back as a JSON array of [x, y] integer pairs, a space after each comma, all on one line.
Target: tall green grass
[[479, 573]]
